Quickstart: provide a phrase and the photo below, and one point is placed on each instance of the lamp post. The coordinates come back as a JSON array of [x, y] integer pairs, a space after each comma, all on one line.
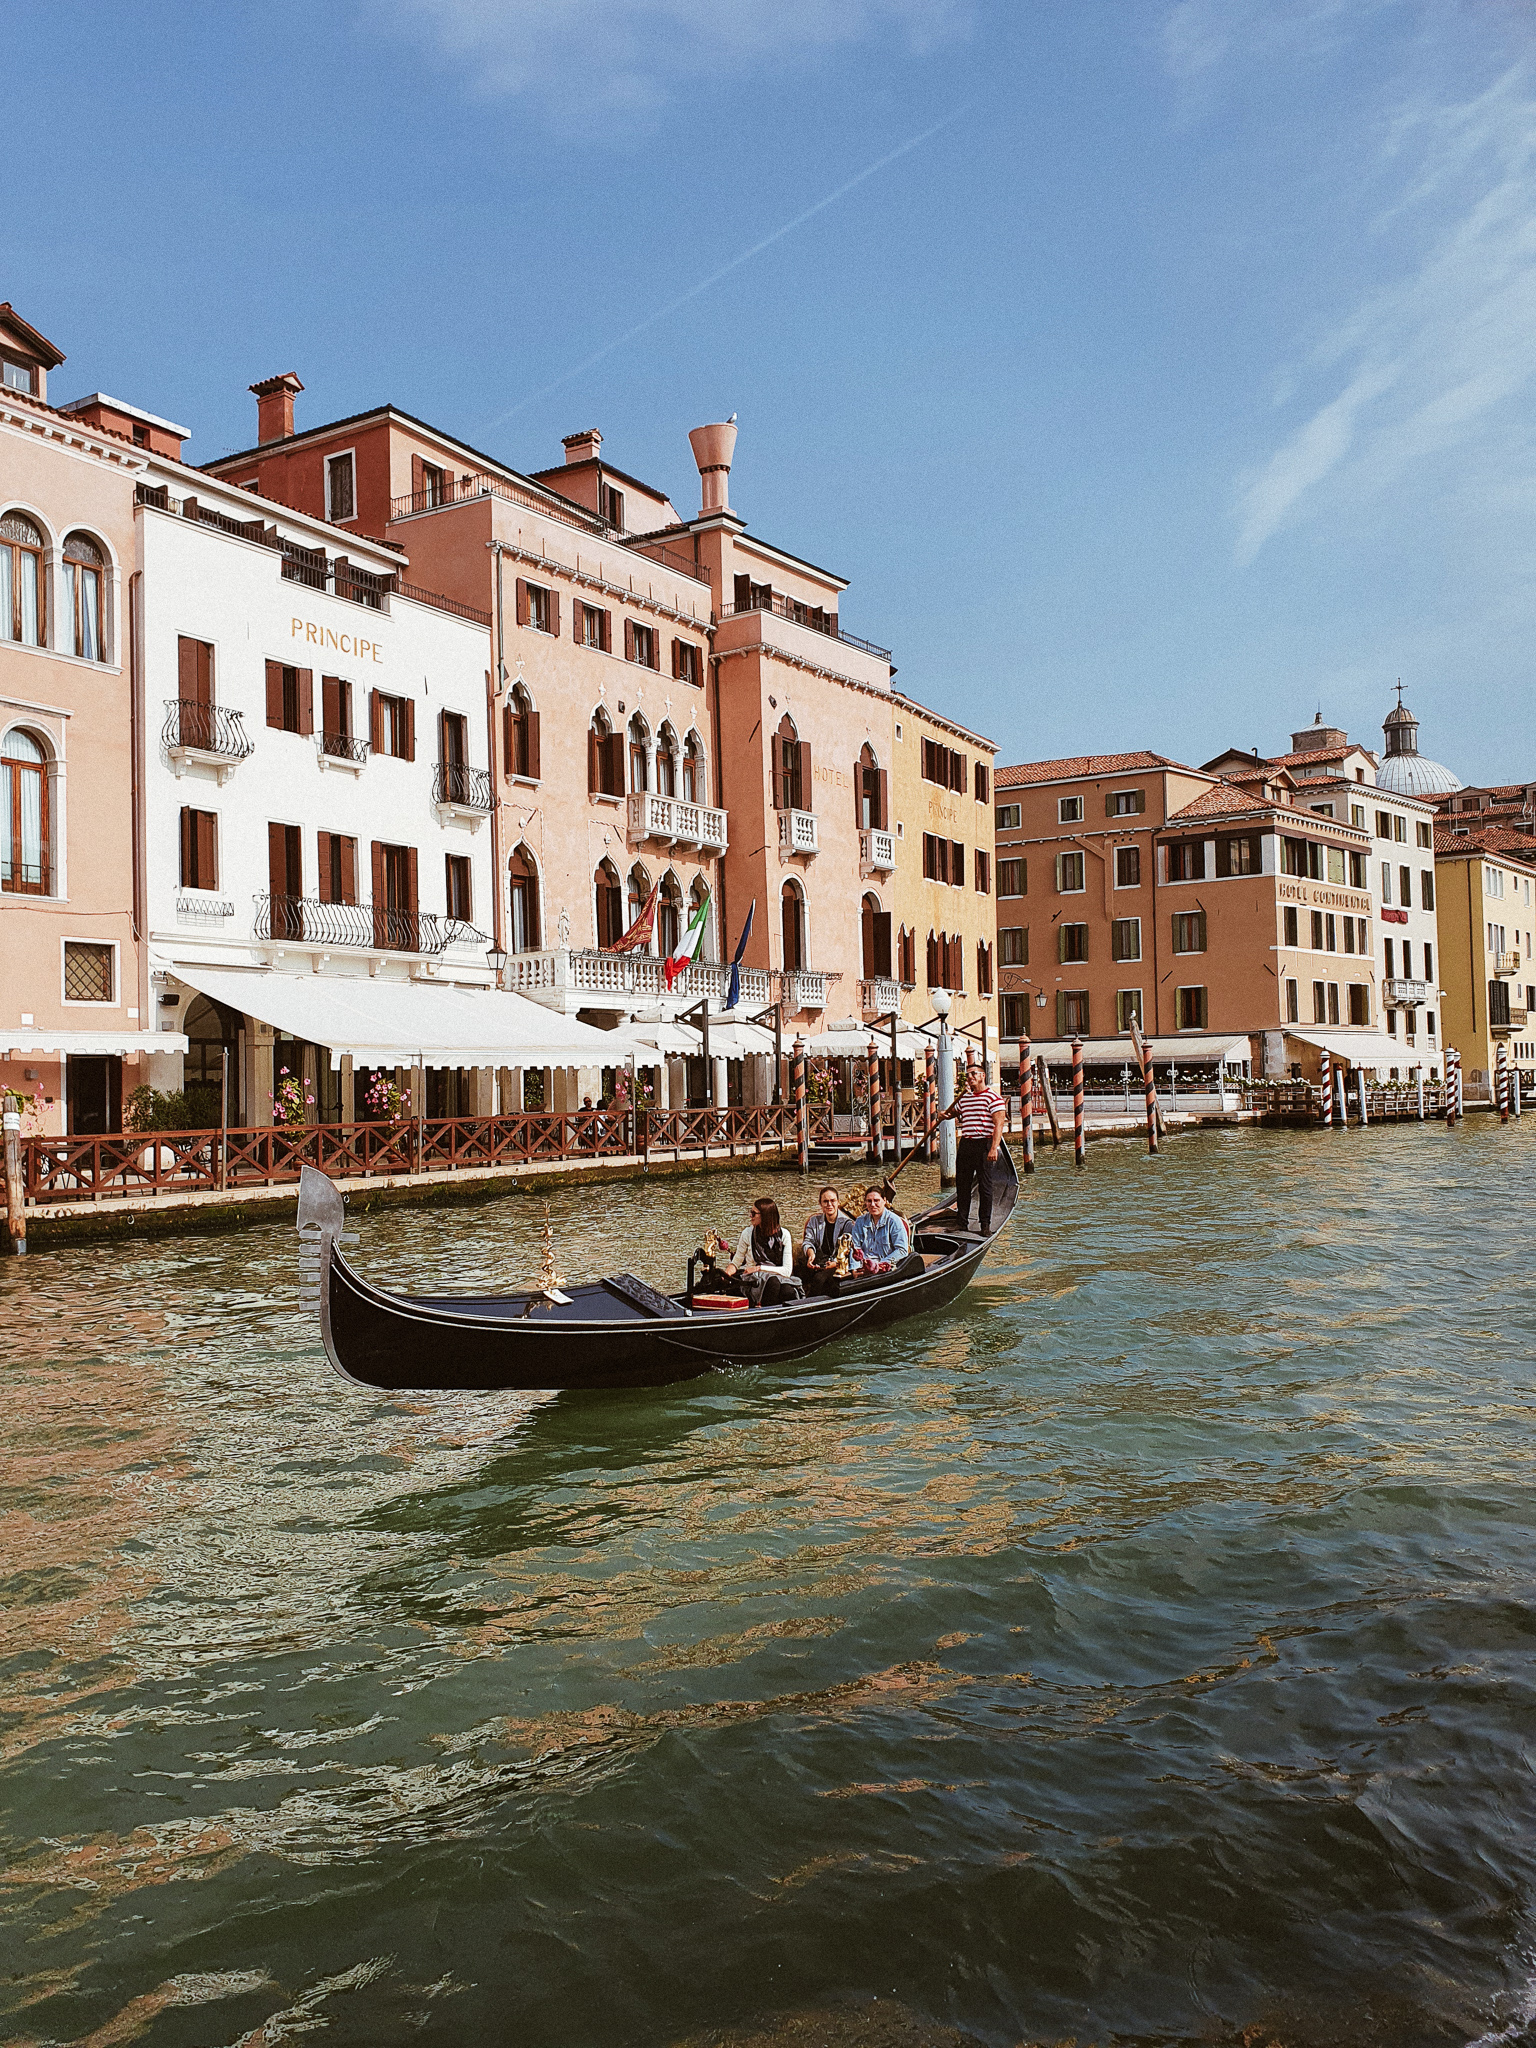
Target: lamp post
[[496, 960], [940, 1001]]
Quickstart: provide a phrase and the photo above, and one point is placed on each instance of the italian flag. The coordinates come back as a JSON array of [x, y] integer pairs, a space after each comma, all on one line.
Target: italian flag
[[688, 950]]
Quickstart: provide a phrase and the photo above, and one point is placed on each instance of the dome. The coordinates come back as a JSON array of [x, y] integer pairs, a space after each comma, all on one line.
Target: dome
[[1416, 775]]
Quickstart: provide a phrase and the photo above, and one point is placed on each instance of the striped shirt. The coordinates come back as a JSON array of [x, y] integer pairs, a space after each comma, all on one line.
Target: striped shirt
[[974, 1113]]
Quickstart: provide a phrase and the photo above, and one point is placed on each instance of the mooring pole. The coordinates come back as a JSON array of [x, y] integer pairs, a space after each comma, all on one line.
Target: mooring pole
[[1514, 1089], [1327, 1089], [928, 1088], [1501, 1065], [1419, 1075], [1448, 1086], [1027, 1103], [1360, 1095], [1079, 1135], [802, 1117], [15, 1203], [224, 1121], [1143, 1052], [1342, 1100], [1043, 1073]]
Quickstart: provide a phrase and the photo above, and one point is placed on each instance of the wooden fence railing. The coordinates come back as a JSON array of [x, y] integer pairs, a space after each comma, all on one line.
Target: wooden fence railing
[[189, 1162]]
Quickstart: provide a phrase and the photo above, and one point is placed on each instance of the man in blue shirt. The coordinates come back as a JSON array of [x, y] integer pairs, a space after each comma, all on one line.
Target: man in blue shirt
[[880, 1240]]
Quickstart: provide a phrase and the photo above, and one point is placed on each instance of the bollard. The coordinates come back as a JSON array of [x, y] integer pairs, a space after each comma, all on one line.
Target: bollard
[[1501, 1081], [1079, 1135], [802, 1107], [1327, 1089], [1143, 1052], [1027, 1103], [15, 1203]]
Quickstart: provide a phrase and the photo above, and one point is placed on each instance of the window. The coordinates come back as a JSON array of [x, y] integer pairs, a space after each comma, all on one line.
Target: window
[[290, 692], [1319, 1003], [613, 506], [594, 627], [639, 754], [1405, 887], [605, 758], [1493, 881], [1127, 1008], [1386, 881], [1009, 818], [1400, 830], [983, 872], [1186, 860], [1349, 935], [396, 923], [1331, 933], [1386, 955], [336, 868], [869, 792], [1359, 1003], [1317, 931], [336, 716], [1125, 803], [537, 608], [1292, 1002], [792, 927], [641, 644], [1383, 824], [457, 887], [695, 775], [946, 961], [1125, 939], [1359, 876], [1069, 810], [1301, 857], [669, 916], [1071, 942], [906, 956], [983, 782], [1242, 856], [1289, 926], [1189, 932], [25, 864], [340, 487], [983, 968], [1429, 969], [23, 604], [16, 376], [1496, 938], [944, 766], [1012, 877], [393, 726], [1189, 1009], [1424, 833], [1357, 817], [1127, 867], [1426, 889], [1071, 874], [1014, 1022], [608, 899], [685, 661], [935, 858], [1013, 945], [1333, 1002], [1071, 1013], [199, 849], [792, 766], [433, 486], [666, 760], [1335, 864], [1321, 810], [87, 972], [81, 596], [520, 735]]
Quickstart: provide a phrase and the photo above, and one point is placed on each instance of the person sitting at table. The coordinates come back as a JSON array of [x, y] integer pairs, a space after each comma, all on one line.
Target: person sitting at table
[[880, 1240], [824, 1231], [764, 1259]]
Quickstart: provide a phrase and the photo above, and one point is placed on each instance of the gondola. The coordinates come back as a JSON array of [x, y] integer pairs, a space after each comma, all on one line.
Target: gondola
[[618, 1332]]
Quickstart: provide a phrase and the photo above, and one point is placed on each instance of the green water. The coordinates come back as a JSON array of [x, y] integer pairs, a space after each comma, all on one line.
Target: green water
[[1140, 1653]]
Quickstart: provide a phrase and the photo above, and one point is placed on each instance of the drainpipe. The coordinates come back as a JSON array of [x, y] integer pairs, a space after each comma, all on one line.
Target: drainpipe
[[1471, 959], [725, 929], [136, 751], [495, 682]]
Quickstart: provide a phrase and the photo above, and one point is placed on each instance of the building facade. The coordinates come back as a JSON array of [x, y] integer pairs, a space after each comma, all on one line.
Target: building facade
[[1487, 937]]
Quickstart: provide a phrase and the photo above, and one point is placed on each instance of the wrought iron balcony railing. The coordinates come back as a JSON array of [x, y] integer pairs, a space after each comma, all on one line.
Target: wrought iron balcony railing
[[205, 729], [25, 877], [343, 746], [305, 920], [818, 620], [455, 782]]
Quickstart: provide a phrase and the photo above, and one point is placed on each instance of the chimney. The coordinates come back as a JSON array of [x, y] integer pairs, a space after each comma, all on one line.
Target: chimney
[[582, 447], [713, 448], [274, 407]]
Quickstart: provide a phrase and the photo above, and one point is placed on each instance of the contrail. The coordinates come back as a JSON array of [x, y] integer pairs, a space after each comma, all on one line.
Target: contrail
[[725, 269]]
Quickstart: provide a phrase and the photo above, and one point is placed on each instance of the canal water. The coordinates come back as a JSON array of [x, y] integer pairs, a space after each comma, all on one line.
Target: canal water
[[1141, 1653]]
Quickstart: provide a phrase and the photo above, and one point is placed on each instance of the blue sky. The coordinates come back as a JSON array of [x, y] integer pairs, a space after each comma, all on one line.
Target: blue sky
[[1169, 378]]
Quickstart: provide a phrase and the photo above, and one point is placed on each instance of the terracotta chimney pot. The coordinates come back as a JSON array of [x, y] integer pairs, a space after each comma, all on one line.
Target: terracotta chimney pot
[[582, 447], [713, 448], [274, 407]]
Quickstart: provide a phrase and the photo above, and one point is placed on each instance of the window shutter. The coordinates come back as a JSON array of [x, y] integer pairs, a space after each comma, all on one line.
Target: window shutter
[[858, 795], [274, 693], [323, 875], [554, 614], [594, 762], [442, 737], [186, 669], [187, 858], [306, 700], [522, 601], [410, 728], [349, 870], [957, 865], [614, 781], [330, 704], [883, 944], [629, 639], [207, 850], [605, 631], [410, 881], [508, 740], [883, 800], [677, 659], [804, 748], [534, 769], [418, 480], [277, 867], [375, 722], [743, 587]]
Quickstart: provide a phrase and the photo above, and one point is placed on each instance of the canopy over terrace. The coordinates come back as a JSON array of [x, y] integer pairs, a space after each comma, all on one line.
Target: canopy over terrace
[[1189, 1049], [1368, 1048]]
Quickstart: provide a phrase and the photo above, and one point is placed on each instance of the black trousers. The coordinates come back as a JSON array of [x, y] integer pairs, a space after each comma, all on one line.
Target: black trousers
[[973, 1167]]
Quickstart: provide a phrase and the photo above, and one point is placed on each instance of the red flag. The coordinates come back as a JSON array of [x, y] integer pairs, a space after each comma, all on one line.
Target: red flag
[[639, 934]]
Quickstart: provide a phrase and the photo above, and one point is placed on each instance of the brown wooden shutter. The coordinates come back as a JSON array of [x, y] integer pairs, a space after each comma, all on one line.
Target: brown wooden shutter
[[743, 590], [410, 728], [186, 669], [534, 769], [306, 700], [629, 639], [274, 693], [677, 658], [188, 857], [883, 800], [418, 481], [508, 740], [410, 880], [957, 872], [375, 722], [323, 877], [606, 632], [442, 737], [594, 761], [380, 910], [522, 601], [207, 850], [277, 869], [330, 704], [554, 613], [349, 870], [614, 779], [858, 794], [804, 749]]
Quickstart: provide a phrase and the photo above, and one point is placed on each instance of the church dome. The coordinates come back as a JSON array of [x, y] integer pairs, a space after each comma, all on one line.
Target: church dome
[[1405, 770]]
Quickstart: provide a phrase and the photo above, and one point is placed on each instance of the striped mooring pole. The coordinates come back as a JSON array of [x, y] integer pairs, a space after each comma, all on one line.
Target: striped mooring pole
[[1448, 1085], [1360, 1096], [1341, 1100], [1027, 1102], [802, 1119], [929, 1086], [1327, 1089], [1514, 1089], [1079, 1135], [1501, 1062]]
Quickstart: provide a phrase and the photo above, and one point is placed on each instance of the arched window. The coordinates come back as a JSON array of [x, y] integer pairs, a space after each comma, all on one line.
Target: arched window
[[523, 930], [869, 797], [792, 768], [637, 894], [521, 729], [81, 596], [876, 925], [792, 916], [23, 605], [666, 761], [695, 772], [605, 757], [25, 864], [609, 904], [696, 895], [639, 753], [669, 916]]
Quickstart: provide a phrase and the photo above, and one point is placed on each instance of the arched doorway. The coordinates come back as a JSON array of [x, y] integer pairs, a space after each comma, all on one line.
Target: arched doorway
[[609, 905], [792, 926], [869, 791], [669, 916], [523, 927], [666, 761], [211, 1028], [695, 773], [876, 929]]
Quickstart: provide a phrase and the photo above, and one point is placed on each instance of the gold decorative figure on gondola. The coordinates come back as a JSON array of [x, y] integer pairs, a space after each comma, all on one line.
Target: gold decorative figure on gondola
[[842, 1258], [551, 1280], [714, 1245]]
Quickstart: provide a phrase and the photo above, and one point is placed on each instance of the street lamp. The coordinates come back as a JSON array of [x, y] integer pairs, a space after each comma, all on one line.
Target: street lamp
[[496, 959], [940, 999]]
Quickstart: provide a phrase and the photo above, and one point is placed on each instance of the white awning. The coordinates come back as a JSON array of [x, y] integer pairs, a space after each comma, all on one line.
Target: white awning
[[1369, 1048], [1190, 1048], [855, 1044], [25, 1042], [392, 1023]]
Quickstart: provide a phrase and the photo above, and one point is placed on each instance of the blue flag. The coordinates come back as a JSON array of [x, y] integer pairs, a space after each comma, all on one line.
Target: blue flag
[[734, 995]]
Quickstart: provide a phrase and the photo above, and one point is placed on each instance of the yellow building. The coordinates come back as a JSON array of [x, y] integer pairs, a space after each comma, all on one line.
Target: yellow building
[[941, 933], [1487, 915]]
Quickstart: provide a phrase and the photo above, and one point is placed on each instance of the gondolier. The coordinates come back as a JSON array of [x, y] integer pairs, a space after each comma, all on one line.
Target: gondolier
[[979, 1113]]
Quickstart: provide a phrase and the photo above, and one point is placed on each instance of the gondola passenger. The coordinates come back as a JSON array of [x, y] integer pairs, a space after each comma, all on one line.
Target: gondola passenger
[[824, 1231], [880, 1240], [764, 1259]]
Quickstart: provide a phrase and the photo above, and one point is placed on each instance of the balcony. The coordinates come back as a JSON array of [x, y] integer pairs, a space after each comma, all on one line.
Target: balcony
[[797, 834], [572, 978], [816, 617], [210, 735], [1405, 995], [341, 750], [1519, 1016], [676, 822], [879, 998], [1506, 963], [306, 921], [877, 853], [801, 989], [461, 793]]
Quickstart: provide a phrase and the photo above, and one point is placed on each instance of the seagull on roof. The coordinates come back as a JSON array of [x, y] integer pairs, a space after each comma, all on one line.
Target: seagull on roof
[[731, 421]]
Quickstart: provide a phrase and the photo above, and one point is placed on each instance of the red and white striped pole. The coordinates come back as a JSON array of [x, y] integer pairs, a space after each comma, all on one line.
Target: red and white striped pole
[[1079, 1135], [929, 1086], [1502, 1065], [1027, 1102], [1327, 1089]]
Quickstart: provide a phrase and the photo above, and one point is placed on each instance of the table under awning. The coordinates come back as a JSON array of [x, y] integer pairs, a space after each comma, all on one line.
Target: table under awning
[[395, 1023]]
